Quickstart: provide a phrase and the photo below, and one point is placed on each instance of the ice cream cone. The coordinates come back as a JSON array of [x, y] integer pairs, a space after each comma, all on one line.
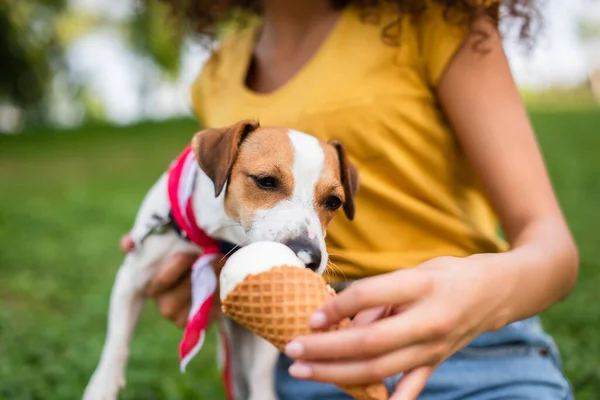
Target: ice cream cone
[[277, 305]]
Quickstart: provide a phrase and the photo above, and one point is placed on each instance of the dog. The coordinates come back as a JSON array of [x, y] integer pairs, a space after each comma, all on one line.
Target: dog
[[252, 184]]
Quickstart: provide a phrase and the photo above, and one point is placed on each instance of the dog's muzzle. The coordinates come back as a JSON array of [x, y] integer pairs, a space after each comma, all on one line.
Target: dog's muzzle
[[308, 252]]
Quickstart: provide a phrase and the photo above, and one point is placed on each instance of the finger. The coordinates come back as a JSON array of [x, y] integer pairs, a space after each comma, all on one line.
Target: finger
[[126, 243], [183, 316], [214, 315], [217, 266], [403, 287], [369, 316], [215, 309], [366, 371], [413, 326], [176, 268], [176, 301], [219, 263], [412, 384]]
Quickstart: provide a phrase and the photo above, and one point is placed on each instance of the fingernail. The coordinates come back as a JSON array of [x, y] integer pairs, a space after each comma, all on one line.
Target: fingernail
[[294, 349], [300, 371], [318, 319]]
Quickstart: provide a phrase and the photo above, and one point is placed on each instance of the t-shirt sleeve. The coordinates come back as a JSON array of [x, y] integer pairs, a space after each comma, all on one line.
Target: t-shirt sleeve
[[196, 98], [201, 89], [198, 92], [440, 33], [223, 59]]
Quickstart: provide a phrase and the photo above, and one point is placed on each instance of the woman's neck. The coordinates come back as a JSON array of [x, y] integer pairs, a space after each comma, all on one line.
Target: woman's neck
[[291, 33], [288, 22]]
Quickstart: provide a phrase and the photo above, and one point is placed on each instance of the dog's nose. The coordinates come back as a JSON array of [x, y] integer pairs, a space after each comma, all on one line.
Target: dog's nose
[[309, 253]]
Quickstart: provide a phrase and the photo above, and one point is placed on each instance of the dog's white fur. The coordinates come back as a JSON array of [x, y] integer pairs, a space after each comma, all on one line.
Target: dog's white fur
[[253, 359]]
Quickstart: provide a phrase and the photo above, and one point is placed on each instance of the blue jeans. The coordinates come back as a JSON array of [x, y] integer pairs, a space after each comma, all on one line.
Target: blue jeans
[[519, 361]]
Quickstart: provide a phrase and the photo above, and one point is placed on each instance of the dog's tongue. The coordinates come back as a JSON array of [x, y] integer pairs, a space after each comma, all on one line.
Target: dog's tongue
[[254, 259]]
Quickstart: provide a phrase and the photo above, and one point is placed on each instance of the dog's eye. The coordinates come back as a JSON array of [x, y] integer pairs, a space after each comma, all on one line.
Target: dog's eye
[[266, 182], [333, 203]]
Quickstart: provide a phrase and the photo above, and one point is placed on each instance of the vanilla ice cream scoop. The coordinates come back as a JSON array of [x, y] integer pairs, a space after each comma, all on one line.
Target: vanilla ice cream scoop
[[253, 259]]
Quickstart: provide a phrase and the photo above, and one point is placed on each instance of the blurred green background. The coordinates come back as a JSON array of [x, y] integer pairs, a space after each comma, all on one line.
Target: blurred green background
[[80, 152]]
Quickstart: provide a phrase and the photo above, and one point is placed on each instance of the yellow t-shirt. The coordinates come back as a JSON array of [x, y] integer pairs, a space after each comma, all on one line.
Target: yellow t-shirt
[[419, 197]]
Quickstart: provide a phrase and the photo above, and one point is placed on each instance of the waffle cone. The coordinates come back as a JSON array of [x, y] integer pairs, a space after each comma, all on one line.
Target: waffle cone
[[277, 304]]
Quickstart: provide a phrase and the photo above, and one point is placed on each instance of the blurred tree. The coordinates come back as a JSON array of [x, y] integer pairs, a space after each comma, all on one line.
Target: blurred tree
[[34, 36], [155, 33], [30, 53], [589, 28]]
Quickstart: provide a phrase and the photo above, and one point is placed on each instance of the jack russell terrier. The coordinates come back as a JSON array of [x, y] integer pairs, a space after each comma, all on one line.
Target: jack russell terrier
[[250, 184]]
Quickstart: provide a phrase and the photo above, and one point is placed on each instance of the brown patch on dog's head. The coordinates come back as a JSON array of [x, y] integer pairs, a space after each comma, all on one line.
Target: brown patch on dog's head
[[262, 174], [216, 150], [348, 178], [329, 191]]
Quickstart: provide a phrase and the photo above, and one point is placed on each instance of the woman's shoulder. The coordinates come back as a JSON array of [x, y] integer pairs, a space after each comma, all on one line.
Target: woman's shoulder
[[231, 51], [425, 40], [227, 59], [438, 32]]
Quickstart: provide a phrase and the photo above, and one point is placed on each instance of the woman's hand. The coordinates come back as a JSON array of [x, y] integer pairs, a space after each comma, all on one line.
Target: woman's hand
[[171, 287], [406, 321]]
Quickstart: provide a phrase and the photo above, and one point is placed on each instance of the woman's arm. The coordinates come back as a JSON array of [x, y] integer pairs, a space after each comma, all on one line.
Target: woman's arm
[[483, 105], [412, 320], [171, 287]]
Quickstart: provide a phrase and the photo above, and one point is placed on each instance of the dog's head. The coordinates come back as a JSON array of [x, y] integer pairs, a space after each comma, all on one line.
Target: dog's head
[[280, 185]]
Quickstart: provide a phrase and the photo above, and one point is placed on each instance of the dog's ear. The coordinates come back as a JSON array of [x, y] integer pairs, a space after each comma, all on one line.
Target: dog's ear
[[350, 179], [216, 150]]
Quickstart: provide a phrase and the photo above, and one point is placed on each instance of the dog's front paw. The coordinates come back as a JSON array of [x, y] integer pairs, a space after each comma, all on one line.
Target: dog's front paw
[[104, 387]]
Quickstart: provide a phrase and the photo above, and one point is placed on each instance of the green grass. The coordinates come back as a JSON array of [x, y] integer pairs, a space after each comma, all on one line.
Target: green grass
[[65, 198], [557, 98]]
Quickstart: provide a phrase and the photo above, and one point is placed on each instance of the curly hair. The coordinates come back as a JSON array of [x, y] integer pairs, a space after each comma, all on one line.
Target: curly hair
[[206, 17]]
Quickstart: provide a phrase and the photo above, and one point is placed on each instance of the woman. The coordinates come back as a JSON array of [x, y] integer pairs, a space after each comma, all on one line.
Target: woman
[[421, 94]]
